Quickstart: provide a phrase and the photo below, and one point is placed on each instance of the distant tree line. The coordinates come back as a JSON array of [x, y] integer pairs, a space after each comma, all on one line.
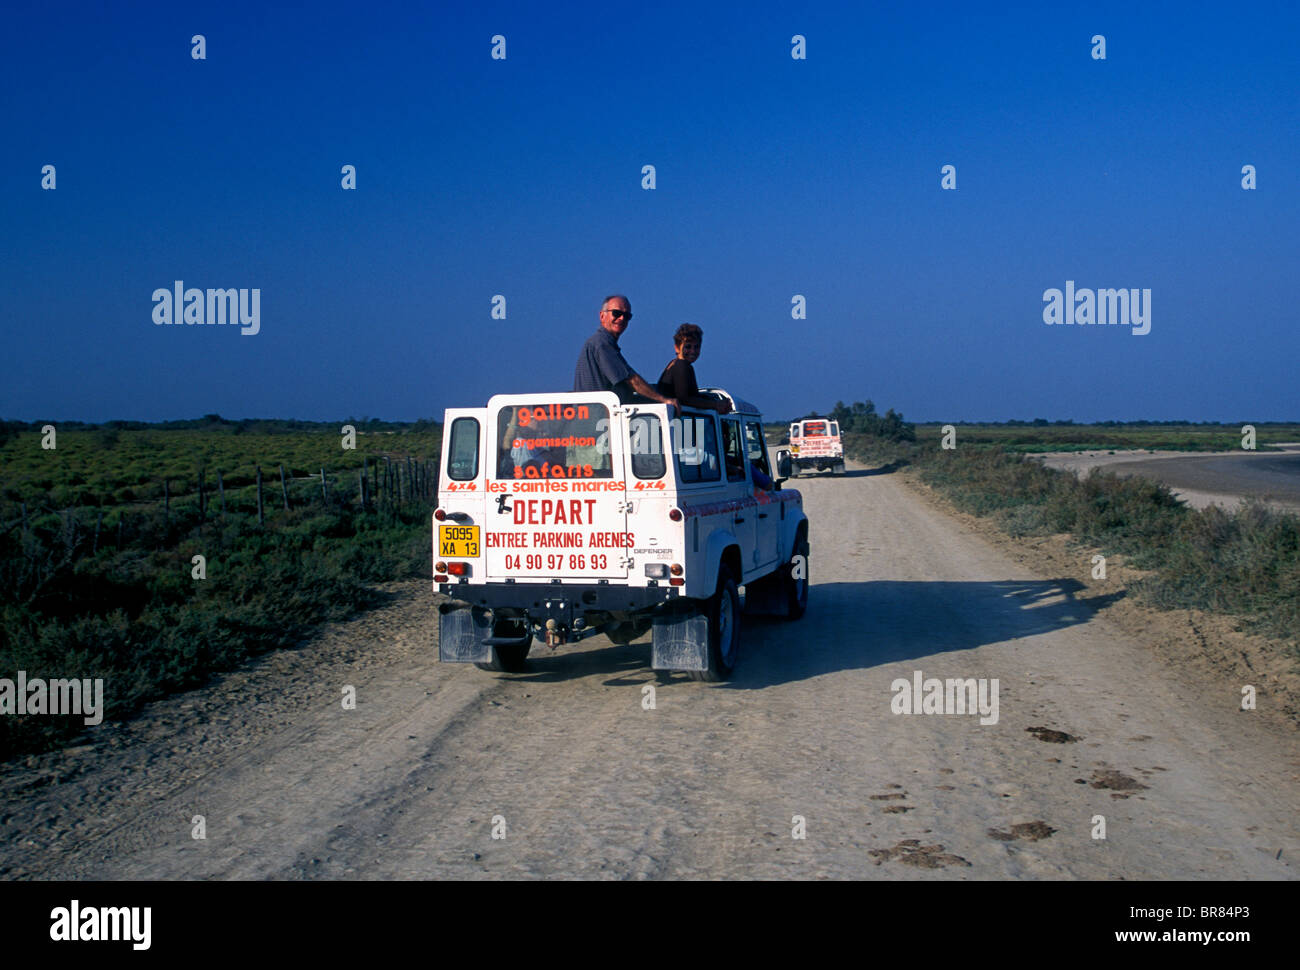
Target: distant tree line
[[215, 422], [861, 418], [1069, 422]]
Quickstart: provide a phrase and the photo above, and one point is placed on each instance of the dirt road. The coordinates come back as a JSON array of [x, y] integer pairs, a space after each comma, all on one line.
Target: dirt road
[[583, 781]]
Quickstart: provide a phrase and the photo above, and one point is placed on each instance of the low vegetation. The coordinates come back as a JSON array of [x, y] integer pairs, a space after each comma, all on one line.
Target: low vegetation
[[97, 571]]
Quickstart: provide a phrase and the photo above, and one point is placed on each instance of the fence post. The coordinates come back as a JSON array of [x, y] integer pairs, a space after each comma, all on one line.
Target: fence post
[[284, 487], [167, 498], [261, 520], [324, 489], [99, 520], [203, 509], [221, 487]]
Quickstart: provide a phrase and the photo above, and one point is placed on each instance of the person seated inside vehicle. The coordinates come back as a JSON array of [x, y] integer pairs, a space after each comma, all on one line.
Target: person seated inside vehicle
[[756, 449], [678, 379]]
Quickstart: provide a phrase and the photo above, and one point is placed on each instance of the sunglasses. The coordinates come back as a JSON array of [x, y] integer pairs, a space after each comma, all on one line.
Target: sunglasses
[[616, 314]]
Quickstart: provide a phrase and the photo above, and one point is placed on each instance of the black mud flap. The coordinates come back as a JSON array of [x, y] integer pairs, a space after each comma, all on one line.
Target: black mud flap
[[681, 642], [768, 596], [461, 632]]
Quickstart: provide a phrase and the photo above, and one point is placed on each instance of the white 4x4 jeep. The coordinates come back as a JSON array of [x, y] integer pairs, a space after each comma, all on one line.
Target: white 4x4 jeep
[[565, 515], [815, 445]]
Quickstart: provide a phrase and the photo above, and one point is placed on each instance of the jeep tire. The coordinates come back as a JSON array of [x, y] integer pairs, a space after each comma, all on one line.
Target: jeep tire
[[796, 590], [723, 610]]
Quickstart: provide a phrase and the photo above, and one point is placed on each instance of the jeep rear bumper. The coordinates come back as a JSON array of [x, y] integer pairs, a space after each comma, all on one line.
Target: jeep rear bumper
[[536, 598], [466, 624]]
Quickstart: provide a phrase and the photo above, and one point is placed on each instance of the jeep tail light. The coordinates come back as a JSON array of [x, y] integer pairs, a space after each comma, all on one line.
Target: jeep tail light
[[440, 515], [676, 581], [458, 568], [675, 514], [656, 570], [439, 577], [440, 567], [676, 569]]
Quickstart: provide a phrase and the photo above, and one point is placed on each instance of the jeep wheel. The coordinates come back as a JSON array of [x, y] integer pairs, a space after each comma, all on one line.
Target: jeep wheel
[[796, 590], [723, 609], [510, 658]]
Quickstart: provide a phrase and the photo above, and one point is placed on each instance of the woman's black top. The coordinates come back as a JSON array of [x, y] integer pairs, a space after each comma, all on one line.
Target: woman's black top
[[678, 381]]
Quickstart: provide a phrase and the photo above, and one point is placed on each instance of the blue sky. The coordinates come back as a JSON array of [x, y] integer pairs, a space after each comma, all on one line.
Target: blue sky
[[775, 177]]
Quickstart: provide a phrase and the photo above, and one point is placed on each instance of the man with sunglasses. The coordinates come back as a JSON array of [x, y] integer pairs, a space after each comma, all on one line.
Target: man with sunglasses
[[601, 366]]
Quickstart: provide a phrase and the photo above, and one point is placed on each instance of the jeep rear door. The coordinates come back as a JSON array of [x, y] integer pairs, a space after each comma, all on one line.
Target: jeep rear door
[[557, 502]]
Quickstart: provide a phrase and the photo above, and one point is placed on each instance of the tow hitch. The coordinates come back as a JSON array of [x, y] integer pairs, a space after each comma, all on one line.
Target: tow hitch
[[555, 634]]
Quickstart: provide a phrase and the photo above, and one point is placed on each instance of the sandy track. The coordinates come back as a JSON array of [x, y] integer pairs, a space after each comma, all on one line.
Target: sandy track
[[592, 785]]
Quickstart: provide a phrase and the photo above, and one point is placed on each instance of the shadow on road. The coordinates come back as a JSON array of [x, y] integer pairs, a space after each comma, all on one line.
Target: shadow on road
[[889, 469], [850, 626]]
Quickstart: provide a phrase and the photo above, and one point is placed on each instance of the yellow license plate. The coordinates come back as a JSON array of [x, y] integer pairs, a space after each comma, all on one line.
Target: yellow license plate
[[458, 541]]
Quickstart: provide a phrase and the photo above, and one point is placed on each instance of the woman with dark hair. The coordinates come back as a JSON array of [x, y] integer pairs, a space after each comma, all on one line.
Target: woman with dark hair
[[678, 379]]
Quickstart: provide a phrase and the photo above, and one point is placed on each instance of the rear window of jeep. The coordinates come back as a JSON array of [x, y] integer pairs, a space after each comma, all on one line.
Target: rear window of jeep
[[815, 429], [552, 440], [462, 457]]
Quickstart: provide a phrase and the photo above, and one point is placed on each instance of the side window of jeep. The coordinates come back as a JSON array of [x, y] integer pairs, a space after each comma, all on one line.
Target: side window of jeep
[[733, 450], [756, 445], [695, 448]]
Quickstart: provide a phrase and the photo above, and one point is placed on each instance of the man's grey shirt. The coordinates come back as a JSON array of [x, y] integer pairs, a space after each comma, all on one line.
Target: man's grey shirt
[[601, 366]]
